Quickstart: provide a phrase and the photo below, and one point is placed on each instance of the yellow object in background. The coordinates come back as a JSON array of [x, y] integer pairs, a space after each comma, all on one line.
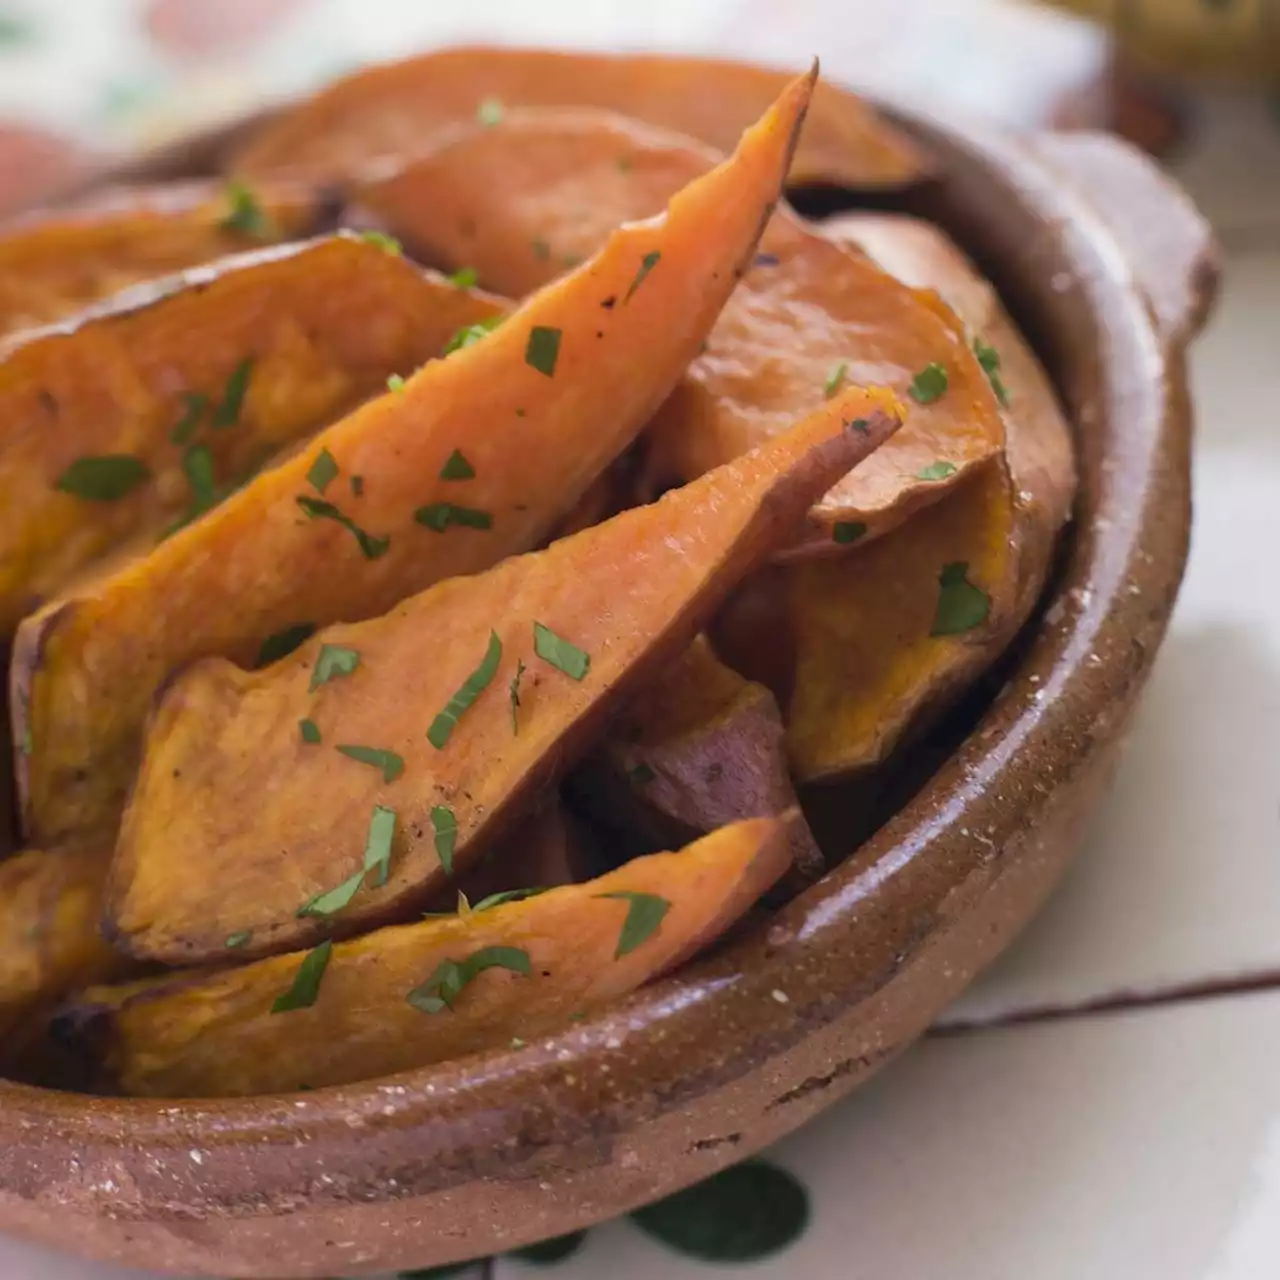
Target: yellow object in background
[[1236, 39]]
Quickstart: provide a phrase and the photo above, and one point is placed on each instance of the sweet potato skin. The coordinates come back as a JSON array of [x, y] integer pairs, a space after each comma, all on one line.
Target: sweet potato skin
[[50, 902], [858, 628], [630, 593], [214, 1035], [701, 747], [323, 323], [57, 261], [519, 200], [398, 108], [251, 568]]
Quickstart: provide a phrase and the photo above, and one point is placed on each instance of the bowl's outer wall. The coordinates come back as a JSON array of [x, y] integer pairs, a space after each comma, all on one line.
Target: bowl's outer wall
[[711, 1065]]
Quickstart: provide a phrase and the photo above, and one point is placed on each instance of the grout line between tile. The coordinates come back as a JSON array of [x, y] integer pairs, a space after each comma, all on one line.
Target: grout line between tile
[[1120, 1002]]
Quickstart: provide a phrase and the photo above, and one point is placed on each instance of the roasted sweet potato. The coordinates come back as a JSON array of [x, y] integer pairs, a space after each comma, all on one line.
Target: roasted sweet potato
[[538, 190], [699, 748], [399, 107], [880, 639], [569, 633], [534, 413], [59, 260], [50, 903], [136, 416], [407, 996]]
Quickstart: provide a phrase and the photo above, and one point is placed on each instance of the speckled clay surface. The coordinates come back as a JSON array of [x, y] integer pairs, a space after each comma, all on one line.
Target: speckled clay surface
[[1110, 272]]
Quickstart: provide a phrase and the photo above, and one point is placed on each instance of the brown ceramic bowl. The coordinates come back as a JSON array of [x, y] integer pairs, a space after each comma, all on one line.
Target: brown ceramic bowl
[[1110, 271]]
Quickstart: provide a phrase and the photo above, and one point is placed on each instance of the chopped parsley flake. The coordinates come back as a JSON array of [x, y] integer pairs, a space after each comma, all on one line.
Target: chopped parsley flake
[[388, 244], [238, 939], [543, 349], [464, 278], [936, 471], [324, 471], [310, 731], [929, 384], [507, 895], [245, 216], [472, 687], [391, 764], [185, 428], [989, 359], [306, 982], [283, 643], [317, 509], [444, 986], [835, 379], [844, 532], [647, 264], [333, 661], [489, 112], [438, 516], [456, 467], [961, 605], [377, 860], [644, 915], [446, 829], [560, 653], [227, 414], [514, 690], [470, 334], [395, 382], [104, 479]]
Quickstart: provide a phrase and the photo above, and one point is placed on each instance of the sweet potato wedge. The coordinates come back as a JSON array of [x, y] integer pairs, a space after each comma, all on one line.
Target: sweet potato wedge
[[210, 1035], [540, 407], [881, 639], [50, 904], [569, 633], [398, 107], [99, 432], [538, 190], [60, 260], [699, 748]]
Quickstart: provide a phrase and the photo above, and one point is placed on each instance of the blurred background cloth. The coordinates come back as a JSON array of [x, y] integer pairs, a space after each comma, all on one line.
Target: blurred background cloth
[[81, 79]]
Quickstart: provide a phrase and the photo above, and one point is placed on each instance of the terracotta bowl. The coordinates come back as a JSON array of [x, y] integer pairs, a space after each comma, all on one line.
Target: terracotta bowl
[[1110, 271]]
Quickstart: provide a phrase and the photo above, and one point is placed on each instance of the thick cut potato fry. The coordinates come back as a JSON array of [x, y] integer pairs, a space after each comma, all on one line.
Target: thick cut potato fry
[[540, 407], [860, 630], [226, 772], [50, 904], [209, 1035], [699, 748], [399, 107], [59, 260], [519, 200], [321, 326]]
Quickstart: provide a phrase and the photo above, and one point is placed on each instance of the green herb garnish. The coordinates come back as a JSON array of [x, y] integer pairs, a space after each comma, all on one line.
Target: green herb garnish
[[989, 359], [438, 516], [388, 244], [238, 939], [489, 112], [936, 471], [847, 531], [395, 383], [323, 472], [446, 829], [227, 414], [472, 687], [456, 467], [508, 895], [514, 690], [445, 985], [961, 605], [283, 643], [543, 349], [332, 661], [306, 982], [197, 466], [391, 764], [317, 509], [647, 264], [185, 428], [470, 334], [835, 379], [561, 654], [644, 915], [464, 278], [929, 384], [104, 479], [377, 860], [246, 216], [310, 731]]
